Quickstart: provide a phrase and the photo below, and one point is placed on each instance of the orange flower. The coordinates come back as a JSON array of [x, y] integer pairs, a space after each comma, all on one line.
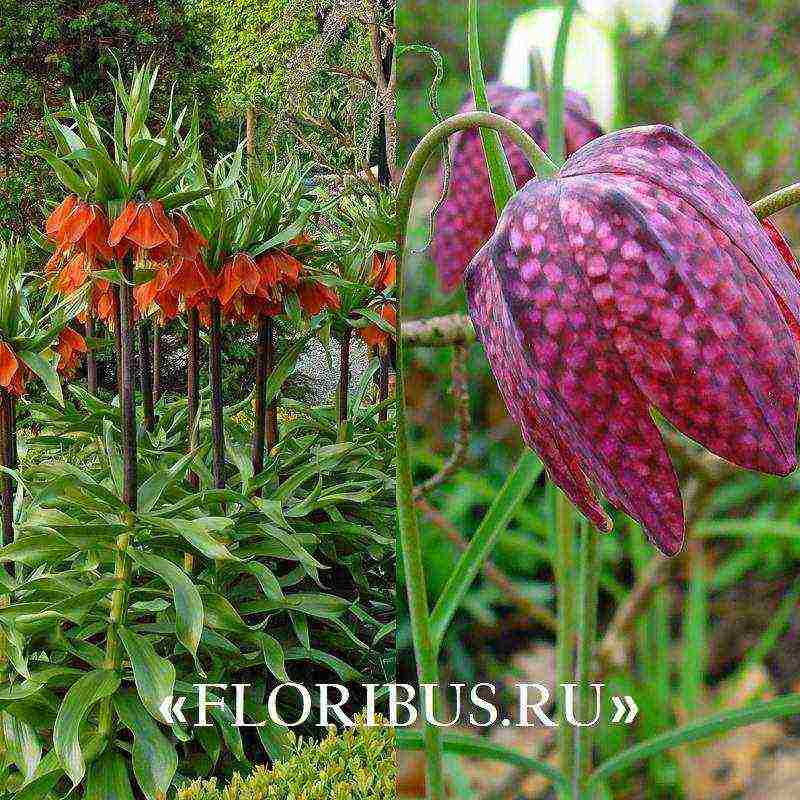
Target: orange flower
[[384, 270], [12, 371], [104, 302], [71, 345], [315, 296], [190, 241], [78, 228], [74, 274], [375, 336], [145, 226]]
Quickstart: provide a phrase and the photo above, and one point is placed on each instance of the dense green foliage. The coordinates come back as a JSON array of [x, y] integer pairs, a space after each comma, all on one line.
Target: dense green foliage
[[356, 764]]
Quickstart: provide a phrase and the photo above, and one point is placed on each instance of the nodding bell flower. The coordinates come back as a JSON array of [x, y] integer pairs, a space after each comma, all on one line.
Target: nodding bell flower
[[71, 346], [13, 373], [467, 217], [638, 279], [144, 226]]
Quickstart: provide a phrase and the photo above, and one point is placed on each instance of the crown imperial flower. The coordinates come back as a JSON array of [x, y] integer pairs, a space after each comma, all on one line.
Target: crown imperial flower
[[467, 217], [637, 279]]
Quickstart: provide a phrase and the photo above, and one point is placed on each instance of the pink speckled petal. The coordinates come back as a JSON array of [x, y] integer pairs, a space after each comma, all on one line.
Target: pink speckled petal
[[467, 218], [667, 158], [692, 319], [501, 340], [577, 379]]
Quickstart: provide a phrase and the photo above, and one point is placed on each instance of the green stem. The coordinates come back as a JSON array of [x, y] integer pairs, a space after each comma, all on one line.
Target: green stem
[[563, 517], [777, 201], [588, 583], [122, 570], [555, 106], [410, 541]]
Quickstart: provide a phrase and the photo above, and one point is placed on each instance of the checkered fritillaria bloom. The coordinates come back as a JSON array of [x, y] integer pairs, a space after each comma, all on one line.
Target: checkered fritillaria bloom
[[467, 217], [636, 279]]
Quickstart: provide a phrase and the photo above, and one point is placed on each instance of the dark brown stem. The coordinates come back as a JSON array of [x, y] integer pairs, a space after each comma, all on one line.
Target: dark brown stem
[[7, 453], [146, 376], [260, 406], [127, 398], [118, 336], [344, 381], [193, 383], [158, 330], [215, 374], [272, 408], [91, 357], [383, 384]]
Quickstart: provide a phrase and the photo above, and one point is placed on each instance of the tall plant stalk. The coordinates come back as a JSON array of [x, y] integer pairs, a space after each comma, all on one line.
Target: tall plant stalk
[[146, 376], [260, 391], [410, 542], [192, 399], [158, 331], [342, 398], [91, 357], [122, 566], [215, 377], [7, 451]]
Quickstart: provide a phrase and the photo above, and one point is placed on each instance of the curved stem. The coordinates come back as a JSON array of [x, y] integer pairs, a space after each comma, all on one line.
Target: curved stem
[[410, 541], [777, 201]]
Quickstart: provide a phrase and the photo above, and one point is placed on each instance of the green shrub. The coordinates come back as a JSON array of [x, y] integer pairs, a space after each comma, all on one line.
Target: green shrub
[[356, 764]]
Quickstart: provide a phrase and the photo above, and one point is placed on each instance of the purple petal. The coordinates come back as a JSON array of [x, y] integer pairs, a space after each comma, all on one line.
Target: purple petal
[[467, 218], [691, 318], [576, 378]]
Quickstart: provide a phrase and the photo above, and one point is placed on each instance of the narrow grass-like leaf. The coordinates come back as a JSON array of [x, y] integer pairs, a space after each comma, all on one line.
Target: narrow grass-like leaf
[[514, 491]]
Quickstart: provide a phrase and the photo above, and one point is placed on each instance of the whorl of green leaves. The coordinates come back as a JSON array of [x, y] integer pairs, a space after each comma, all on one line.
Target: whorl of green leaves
[[120, 164], [356, 764]]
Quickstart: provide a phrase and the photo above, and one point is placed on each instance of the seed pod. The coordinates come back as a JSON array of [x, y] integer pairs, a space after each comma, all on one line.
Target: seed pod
[[638, 279]]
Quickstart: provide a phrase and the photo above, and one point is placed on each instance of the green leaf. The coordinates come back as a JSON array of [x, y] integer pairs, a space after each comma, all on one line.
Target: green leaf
[[273, 656], [154, 676], [197, 532], [151, 490], [108, 779], [514, 491], [45, 370], [153, 758], [187, 601], [37, 549], [717, 724], [75, 707], [471, 746]]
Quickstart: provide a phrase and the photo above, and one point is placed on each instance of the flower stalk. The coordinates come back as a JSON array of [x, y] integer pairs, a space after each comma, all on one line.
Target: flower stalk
[[410, 541], [344, 381], [7, 451], [215, 376], [91, 357], [122, 568], [146, 376]]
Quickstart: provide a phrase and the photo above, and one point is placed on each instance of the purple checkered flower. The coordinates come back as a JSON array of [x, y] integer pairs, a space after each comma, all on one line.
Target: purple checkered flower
[[467, 218], [637, 279]]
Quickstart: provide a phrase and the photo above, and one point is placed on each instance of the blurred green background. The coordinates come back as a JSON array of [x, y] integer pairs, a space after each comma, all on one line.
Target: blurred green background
[[724, 628]]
